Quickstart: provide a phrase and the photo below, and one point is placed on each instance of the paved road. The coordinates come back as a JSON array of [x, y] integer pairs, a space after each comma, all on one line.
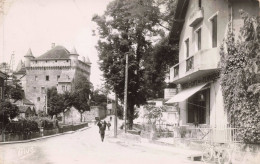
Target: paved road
[[86, 147]]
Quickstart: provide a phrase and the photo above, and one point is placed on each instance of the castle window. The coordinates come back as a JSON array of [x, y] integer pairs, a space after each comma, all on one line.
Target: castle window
[[42, 89], [67, 60], [58, 77], [47, 78], [46, 61], [35, 61], [36, 78], [63, 88], [34, 88], [38, 99], [56, 61]]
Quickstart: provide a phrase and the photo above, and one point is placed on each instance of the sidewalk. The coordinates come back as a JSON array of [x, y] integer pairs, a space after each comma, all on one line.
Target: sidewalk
[[127, 139], [44, 137]]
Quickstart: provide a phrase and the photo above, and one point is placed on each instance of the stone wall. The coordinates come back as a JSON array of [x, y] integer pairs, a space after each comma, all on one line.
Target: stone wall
[[35, 80], [72, 116], [95, 111]]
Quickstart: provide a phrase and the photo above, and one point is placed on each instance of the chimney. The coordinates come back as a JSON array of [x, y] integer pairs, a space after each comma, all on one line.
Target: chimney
[[52, 45]]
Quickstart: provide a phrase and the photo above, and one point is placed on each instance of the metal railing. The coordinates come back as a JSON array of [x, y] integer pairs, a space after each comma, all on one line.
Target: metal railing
[[217, 135]]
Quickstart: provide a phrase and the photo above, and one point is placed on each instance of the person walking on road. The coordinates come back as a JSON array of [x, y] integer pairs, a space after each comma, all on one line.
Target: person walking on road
[[108, 125], [102, 129], [105, 124]]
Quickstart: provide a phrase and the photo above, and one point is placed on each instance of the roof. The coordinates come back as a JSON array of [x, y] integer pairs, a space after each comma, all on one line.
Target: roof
[[73, 51], [27, 102], [29, 53], [20, 69], [3, 75], [87, 60], [67, 76], [58, 52], [23, 108], [179, 19]]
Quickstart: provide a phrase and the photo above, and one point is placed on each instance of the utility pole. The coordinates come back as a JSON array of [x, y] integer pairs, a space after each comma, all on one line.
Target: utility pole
[[46, 101], [125, 93], [115, 118]]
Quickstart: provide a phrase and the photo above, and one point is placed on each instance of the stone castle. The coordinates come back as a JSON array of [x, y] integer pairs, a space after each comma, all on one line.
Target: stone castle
[[57, 67]]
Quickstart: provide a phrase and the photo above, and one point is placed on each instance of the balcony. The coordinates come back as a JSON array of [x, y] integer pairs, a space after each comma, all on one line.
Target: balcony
[[202, 63], [196, 17]]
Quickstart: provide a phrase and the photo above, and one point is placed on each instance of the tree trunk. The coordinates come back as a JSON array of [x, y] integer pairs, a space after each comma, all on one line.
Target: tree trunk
[[130, 115]]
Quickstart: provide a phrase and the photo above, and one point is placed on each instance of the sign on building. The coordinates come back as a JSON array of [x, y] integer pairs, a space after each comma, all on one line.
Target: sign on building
[[169, 93]]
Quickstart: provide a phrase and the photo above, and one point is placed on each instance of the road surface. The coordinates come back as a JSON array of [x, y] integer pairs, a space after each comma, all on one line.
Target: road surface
[[86, 147]]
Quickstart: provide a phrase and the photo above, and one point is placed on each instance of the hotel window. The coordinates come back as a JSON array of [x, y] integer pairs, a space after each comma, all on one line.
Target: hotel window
[[214, 22], [198, 32], [42, 89], [197, 105], [58, 77], [47, 78], [35, 78], [38, 99], [187, 47]]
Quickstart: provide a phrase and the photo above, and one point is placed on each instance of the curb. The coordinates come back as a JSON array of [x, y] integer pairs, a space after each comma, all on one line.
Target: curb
[[44, 137]]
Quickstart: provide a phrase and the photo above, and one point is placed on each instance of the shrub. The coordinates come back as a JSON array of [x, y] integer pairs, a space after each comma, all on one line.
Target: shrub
[[44, 122], [22, 125]]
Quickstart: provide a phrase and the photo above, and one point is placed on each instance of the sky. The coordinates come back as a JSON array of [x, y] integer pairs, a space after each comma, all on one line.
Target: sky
[[36, 24]]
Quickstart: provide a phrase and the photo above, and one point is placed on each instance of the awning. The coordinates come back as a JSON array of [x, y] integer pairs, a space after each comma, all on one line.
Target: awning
[[183, 95]]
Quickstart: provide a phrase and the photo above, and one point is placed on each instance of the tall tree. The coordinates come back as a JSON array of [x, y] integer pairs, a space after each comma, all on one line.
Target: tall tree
[[130, 27], [122, 30], [55, 102], [81, 94]]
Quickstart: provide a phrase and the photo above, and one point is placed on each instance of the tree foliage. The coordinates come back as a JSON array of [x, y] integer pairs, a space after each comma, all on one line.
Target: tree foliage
[[154, 113], [8, 111], [14, 90], [80, 96], [132, 27], [55, 102], [98, 98], [240, 78]]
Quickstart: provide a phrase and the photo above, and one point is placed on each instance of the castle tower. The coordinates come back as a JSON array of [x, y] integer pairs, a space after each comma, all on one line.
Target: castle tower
[[28, 57], [74, 57], [19, 66]]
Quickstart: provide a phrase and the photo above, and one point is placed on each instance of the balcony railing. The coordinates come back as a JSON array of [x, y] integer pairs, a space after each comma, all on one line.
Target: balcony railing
[[204, 60], [189, 63]]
